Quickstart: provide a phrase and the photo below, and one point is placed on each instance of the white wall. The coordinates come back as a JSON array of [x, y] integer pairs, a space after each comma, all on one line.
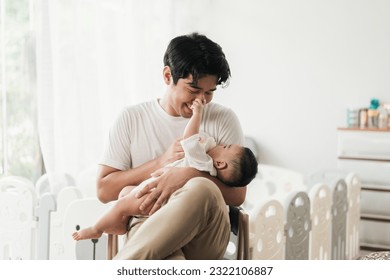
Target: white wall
[[296, 67], [296, 64]]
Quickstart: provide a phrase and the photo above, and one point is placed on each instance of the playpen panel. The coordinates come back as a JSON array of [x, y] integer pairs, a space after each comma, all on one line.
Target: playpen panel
[[47, 204], [298, 226], [346, 205], [81, 214], [266, 218], [320, 235], [280, 184], [283, 185], [353, 216], [267, 238], [339, 219], [64, 198], [17, 220]]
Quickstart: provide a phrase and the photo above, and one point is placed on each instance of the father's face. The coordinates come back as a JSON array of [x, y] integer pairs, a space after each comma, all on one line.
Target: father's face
[[185, 92]]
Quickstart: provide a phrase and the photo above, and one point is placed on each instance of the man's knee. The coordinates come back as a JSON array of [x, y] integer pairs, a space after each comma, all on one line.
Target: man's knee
[[202, 189]]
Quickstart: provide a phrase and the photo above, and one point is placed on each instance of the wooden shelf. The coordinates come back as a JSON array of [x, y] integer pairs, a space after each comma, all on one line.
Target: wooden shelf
[[373, 247], [366, 158], [376, 218], [376, 188], [364, 129], [366, 152]]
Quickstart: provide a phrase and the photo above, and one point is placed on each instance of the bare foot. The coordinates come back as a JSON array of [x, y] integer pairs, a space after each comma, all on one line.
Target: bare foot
[[86, 233], [120, 228]]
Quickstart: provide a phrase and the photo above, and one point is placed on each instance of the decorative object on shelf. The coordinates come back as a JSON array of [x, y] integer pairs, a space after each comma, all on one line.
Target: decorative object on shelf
[[353, 117], [382, 118], [376, 116], [363, 118]]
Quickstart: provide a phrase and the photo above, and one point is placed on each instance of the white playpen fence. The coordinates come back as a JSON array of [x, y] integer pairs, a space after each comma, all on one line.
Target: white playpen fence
[[290, 217]]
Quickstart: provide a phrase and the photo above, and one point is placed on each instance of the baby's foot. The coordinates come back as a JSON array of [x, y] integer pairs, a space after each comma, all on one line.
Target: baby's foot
[[87, 233]]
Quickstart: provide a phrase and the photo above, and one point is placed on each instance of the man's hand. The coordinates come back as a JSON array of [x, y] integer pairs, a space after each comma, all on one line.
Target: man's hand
[[160, 171], [158, 192]]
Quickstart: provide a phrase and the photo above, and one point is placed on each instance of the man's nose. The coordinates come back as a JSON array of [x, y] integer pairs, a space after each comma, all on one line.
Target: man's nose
[[201, 96]]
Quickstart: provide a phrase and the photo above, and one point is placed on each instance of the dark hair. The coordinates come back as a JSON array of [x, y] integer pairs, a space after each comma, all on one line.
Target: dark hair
[[197, 55], [244, 169]]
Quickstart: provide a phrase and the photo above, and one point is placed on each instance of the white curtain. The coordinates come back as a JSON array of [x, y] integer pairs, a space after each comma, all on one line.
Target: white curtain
[[93, 58]]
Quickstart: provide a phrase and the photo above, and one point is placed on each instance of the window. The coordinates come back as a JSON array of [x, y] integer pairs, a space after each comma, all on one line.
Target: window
[[19, 150]]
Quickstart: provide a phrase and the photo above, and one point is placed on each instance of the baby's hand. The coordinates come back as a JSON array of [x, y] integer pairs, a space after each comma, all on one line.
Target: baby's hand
[[198, 105]]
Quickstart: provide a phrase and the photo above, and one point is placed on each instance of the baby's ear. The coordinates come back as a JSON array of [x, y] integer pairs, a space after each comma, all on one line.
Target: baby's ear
[[220, 164]]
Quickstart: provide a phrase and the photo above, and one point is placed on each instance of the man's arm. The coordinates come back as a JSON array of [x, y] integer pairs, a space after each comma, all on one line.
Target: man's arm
[[233, 196], [176, 177], [110, 181]]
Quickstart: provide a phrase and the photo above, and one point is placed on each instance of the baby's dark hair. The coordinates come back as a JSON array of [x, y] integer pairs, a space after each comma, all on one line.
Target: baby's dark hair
[[244, 169], [197, 55]]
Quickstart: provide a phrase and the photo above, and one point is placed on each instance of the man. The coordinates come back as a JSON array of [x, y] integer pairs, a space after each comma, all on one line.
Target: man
[[193, 223]]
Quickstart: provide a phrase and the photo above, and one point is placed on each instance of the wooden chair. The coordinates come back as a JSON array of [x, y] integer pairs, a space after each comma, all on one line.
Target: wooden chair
[[239, 224]]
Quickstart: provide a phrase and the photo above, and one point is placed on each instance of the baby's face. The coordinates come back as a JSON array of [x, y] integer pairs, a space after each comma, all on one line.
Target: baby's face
[[225, 152]]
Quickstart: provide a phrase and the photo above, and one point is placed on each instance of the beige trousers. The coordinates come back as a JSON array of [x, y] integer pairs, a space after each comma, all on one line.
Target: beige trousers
[[193, 224]]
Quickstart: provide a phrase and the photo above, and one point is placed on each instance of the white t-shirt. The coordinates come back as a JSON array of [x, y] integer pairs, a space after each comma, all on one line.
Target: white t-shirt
[[145, 131], [195, 153]]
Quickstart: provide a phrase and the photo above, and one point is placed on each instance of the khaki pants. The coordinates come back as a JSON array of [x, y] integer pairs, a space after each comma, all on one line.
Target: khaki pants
[[193, 224]]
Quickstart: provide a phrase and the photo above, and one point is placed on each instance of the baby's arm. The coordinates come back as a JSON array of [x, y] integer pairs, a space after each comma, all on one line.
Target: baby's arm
[[194, 123]]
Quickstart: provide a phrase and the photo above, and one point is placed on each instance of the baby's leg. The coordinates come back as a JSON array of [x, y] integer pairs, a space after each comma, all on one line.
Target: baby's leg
[[115, 220], [125, 191], [87, 233]]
